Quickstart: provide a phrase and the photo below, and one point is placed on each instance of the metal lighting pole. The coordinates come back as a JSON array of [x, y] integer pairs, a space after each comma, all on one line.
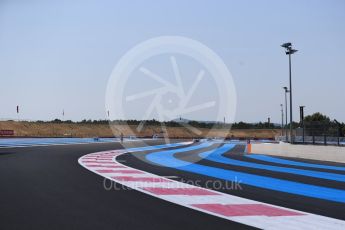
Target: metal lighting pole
[[301, 112], [282, 111], [289, 51], [286, 116]]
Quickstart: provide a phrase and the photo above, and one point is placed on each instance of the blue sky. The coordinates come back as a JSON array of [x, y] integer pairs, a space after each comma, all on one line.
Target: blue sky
[[57, 55]]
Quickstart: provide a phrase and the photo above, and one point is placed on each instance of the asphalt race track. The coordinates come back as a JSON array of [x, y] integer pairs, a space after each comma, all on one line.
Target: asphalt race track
[[45, 187]]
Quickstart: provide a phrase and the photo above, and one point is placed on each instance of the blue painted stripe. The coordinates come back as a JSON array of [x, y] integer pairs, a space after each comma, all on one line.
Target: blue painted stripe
[[55, 141], [160, 157], [129, 149], [294, 163], [49, 141], [21, 142], [166, 158], [154, 147], [217, 156]]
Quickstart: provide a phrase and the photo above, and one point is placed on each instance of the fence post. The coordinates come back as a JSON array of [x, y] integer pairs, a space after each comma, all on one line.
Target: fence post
[[325, 139], [303, 132], [324, 134], [338, 136]]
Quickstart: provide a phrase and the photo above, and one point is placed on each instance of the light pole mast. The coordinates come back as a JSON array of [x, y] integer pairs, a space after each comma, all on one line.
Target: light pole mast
[[286, 116], [289, 51], [301, 114], [282, 111]]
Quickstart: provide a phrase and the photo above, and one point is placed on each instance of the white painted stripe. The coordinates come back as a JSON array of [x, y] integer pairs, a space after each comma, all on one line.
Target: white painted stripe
[[202, 199], [145, 184]]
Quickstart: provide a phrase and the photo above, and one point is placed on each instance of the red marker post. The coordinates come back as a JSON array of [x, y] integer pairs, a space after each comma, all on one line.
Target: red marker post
[[249, 146]]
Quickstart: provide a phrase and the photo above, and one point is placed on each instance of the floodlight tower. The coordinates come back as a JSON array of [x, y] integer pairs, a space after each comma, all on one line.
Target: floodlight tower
[[301, 114], [286, 90], [288, 51], [282, 111]]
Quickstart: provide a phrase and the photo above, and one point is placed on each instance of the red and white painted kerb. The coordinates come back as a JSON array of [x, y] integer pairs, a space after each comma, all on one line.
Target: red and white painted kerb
[[245, 211]]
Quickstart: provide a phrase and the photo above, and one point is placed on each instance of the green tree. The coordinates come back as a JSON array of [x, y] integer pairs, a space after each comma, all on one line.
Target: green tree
[[317, 117]]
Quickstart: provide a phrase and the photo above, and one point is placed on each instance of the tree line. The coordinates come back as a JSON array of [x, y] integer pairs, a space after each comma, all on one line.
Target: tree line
[[153, 122], [316, 122]]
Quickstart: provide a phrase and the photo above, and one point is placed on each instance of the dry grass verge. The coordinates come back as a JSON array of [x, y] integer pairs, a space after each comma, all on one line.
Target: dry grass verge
[[34, 129]]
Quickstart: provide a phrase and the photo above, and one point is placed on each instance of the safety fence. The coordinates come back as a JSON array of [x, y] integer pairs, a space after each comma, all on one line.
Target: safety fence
[[315, 132]]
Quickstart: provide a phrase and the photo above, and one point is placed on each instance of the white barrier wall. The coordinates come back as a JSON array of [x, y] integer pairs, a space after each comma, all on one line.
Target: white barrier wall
[[315, 152]]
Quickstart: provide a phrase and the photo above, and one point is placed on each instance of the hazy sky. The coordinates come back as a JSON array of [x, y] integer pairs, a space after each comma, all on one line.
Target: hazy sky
[[57, 55]]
